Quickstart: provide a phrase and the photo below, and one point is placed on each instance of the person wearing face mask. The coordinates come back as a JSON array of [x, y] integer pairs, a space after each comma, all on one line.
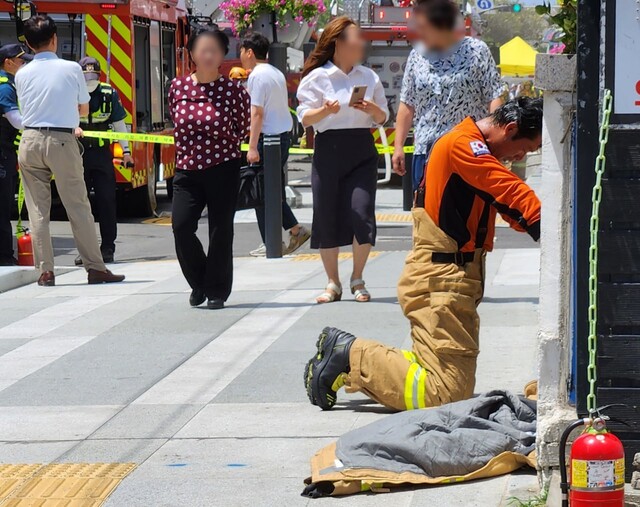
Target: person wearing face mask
[[454, 217], [12, 57], [105, 112]]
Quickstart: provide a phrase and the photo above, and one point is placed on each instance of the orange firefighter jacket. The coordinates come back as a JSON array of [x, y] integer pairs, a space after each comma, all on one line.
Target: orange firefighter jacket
[[466, 186]]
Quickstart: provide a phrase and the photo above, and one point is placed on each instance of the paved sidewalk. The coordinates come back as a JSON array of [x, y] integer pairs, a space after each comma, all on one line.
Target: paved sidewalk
[[211, 405]]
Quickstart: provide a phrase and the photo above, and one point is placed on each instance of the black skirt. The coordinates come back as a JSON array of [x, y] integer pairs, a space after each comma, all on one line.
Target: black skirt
[[343, 182]]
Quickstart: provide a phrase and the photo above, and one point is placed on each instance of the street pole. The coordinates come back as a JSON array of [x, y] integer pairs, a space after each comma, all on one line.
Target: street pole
[[407, 184], [278, 56], [307, 49], [272, 196]]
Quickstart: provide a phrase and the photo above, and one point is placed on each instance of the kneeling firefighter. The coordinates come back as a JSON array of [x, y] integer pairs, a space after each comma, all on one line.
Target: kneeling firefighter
[[464, 187], [105, 112]]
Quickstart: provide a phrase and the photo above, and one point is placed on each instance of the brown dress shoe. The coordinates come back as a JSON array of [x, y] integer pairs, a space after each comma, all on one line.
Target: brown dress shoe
[[47, 279], [106, 276]]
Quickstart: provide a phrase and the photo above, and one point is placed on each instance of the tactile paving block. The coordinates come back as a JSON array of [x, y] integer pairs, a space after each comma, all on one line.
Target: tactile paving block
[[60, 484], [394, 217], [341, 256], [13, 476]]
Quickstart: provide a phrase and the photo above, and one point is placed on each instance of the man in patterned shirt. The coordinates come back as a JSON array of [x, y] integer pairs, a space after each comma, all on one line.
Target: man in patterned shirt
[[446, 79]]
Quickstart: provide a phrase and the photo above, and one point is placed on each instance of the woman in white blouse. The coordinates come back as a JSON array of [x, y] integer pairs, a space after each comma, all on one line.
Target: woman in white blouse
[[345, 159]]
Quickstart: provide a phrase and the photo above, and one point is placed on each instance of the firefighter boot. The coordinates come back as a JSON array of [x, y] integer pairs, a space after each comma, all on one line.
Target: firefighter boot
[[325, 372]]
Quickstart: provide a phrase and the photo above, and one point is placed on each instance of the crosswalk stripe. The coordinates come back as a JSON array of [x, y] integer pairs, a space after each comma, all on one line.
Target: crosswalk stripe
[[40, 352], [53, 334], [207, 373], [54, 317]]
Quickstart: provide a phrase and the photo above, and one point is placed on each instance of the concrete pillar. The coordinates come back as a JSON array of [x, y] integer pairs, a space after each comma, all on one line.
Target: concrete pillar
[[556, 76]]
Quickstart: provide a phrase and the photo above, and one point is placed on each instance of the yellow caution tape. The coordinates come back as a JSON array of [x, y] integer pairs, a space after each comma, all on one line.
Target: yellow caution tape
[[162, 139], [309, 151], [126, 136]]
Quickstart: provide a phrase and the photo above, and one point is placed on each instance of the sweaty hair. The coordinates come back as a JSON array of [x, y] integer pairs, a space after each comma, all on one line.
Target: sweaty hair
[[215, 33], [39, 30], [524, 111], [442, 14], [258, 43], [326, 47]]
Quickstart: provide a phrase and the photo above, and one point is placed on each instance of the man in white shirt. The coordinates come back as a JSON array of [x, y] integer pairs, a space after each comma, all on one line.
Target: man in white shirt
[[269, 116], [53, 95]]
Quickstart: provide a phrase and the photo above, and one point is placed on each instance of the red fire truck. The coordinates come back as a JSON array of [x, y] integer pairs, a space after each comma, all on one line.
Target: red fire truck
[[140, 47], [388, 36]]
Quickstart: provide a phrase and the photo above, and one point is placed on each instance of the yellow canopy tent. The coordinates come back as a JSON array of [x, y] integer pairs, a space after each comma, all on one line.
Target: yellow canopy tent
[[517, 58]]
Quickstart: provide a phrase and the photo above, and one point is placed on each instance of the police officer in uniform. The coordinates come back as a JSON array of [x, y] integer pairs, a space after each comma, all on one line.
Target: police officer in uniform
[[105, 113], [12, 57]]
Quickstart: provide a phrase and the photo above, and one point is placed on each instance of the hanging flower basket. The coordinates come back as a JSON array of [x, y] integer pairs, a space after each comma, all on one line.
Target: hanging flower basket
[[291, 16]]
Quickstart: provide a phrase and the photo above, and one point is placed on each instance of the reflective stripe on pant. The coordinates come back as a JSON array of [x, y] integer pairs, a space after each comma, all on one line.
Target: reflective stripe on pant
[[440, 302], [414, 383]]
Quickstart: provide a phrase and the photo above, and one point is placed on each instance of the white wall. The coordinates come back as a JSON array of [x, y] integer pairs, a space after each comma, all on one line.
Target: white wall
[[555, 74]]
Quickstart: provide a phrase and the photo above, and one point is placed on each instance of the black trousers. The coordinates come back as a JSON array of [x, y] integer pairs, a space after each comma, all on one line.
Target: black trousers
[[100, 177], [217, 189], [289, 220], [8, 179]]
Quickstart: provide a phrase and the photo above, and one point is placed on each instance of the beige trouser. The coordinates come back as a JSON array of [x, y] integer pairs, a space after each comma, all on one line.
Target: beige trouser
[[41, 155], [440, 302]]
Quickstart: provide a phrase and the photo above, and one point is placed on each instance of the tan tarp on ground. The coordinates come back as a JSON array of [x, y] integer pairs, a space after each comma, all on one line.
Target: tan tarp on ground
[[351, 481], [482, 422]]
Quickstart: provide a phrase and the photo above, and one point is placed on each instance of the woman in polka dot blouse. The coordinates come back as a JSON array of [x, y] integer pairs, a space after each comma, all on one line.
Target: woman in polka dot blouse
[[211, 116]]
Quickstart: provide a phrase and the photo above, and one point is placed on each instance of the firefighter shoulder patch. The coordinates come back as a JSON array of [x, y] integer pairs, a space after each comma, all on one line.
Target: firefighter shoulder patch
[[479, 148]]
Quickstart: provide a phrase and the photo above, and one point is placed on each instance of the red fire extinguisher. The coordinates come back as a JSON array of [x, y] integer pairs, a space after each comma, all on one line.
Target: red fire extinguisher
[[25, 249], [596, 464]]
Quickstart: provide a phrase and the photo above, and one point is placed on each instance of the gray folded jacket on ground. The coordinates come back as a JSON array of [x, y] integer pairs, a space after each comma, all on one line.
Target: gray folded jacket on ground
[[454, 439], [491, 434]]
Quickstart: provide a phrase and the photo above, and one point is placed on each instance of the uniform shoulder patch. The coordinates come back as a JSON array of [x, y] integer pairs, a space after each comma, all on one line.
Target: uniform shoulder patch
[[479, 148]]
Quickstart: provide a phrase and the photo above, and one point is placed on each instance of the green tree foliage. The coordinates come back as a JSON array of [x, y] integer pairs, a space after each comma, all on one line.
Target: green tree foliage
[[565, 18], [499, 27]]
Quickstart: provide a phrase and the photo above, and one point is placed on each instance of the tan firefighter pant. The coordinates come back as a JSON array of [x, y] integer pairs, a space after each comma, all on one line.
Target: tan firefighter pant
[[440, 302]]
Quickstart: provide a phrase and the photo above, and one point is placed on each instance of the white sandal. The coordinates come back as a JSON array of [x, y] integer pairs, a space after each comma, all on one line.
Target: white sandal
[[331, 293], [361, 295]]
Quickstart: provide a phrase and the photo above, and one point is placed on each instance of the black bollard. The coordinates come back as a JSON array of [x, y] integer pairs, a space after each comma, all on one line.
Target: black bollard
[[272, 197], [407, 183]]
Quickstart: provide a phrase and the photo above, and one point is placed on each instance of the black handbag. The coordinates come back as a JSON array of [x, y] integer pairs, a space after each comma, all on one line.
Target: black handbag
[[251, 192]]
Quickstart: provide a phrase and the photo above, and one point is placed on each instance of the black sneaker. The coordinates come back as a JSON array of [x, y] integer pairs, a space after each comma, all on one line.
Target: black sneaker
[[197, 297], [215, 304], [325, 372]]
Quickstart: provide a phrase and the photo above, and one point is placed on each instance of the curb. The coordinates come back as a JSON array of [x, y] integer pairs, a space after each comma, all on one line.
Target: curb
[[13, 277]]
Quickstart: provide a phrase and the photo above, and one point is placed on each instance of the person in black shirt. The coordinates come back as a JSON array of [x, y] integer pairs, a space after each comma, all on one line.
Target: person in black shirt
[[105, 112], [12, 57]]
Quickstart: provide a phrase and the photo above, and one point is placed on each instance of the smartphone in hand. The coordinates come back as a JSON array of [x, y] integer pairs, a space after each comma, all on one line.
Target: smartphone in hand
[[357, 94]]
